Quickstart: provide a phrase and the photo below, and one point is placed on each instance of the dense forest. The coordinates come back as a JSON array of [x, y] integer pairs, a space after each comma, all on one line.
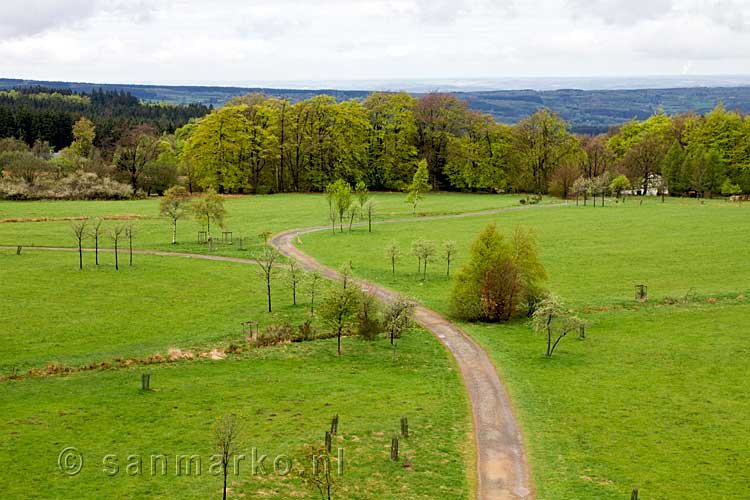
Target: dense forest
[[261, 144], [45, 114], [586, 111]]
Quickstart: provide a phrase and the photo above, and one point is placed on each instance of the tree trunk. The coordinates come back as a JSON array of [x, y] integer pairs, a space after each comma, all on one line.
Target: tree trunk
[[268, 288], [80, 255], [174, 231], [96, 248], [117, 263]]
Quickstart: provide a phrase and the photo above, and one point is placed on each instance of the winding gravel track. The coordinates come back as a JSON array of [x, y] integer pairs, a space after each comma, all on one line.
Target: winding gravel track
[[502, 469]]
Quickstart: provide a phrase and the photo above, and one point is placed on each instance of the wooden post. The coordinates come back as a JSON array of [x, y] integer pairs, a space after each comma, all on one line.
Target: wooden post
[[328, 442], [582, 331], [18, 250], [145, 382], [404, 427], [394, 449], [335, 425], [634, 495]]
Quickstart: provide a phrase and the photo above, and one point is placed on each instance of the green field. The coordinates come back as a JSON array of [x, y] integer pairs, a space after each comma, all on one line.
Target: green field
[[247, 217], [285, 396], [656, 396]]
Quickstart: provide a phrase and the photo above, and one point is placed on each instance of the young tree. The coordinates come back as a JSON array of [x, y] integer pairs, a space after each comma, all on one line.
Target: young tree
[[420, 184], [619, 184], [313, 281], [581, 187], [449, 253], [363, 196], [84, 133], [551, 318], [424, 250], [398, 317], [317, 473], [116, 233], [343, 200], [331, 200], [96, 233], [294, 276], [79, 231], [209, 208], [173, 205], [393, 253], [266, 263], [135, 150], [226, 434], [370, 211], [338, 308]]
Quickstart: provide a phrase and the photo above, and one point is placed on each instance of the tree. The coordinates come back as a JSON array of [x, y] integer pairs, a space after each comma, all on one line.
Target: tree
[[116, 233], [541, 142], [398, 317], [581, 187], [208, 208], [294, 275], [729, 189], [368, 325], [338, 308], [644, 159], [619, 184], [173, 205], [84, 133], [552, 319], [96, 232], [393, 253], [449, 253], [266, 262], [370, 211], [129, 232], [79, 231], [498, 277], [597, 158], [313, 281], [317, 474], [135, 150], [420, 184], [600, 186], [425, 251], [339, 196], [226, 434]]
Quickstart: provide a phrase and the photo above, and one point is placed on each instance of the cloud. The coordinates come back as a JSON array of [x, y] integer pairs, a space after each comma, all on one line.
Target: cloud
[[31, 17], [621, 12]]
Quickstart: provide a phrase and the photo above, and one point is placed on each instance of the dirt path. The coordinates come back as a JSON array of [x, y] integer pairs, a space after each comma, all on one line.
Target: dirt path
[[502, 469]]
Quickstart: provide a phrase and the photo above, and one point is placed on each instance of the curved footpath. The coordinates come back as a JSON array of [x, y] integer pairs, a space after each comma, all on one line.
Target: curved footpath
[[502, 469]]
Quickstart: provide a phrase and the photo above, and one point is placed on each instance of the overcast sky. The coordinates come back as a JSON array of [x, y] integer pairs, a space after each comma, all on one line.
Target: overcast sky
[[246, 41]]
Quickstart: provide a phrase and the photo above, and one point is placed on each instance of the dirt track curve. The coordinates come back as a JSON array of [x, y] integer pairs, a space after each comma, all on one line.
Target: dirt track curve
[[502, 468]]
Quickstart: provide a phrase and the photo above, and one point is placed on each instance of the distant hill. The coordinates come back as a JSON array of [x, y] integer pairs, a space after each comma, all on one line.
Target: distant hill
[[587, 111]]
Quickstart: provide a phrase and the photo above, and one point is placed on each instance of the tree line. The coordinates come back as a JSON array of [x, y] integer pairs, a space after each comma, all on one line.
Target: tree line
[[260, 144]]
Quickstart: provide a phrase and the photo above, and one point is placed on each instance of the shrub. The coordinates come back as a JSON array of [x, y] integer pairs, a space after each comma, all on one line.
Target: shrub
[[275, 334], [368, 325]]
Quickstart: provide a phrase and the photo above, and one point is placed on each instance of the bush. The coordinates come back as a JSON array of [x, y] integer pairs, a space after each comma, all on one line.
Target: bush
[[368, 325], [275, 334], [76, 186]]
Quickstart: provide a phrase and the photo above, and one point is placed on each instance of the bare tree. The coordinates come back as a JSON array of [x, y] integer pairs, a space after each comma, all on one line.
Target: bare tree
[[226, 434], [370, 210], [79, 231], [393, 253], [449, 253], [116, 233], [266, 263], [96, 233], [129, 233], [294, 275]]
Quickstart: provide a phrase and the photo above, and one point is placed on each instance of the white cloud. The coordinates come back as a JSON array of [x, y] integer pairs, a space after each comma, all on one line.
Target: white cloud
[[242, 41]]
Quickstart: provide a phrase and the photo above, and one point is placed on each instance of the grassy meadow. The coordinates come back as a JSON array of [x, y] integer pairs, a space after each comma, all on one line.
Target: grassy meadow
[[657, 394]]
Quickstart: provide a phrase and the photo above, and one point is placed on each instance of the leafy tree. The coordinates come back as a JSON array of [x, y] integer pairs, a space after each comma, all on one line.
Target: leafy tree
[[541, 143], [729, 189], [368, 324], [552, 319], [398, 317], [135, 150], [209, 208], [84, 133], [419, 185], [339, 307], [23, 165], [619, 184], [581, 187], [173, 205], [339, 196], [644, 158]]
